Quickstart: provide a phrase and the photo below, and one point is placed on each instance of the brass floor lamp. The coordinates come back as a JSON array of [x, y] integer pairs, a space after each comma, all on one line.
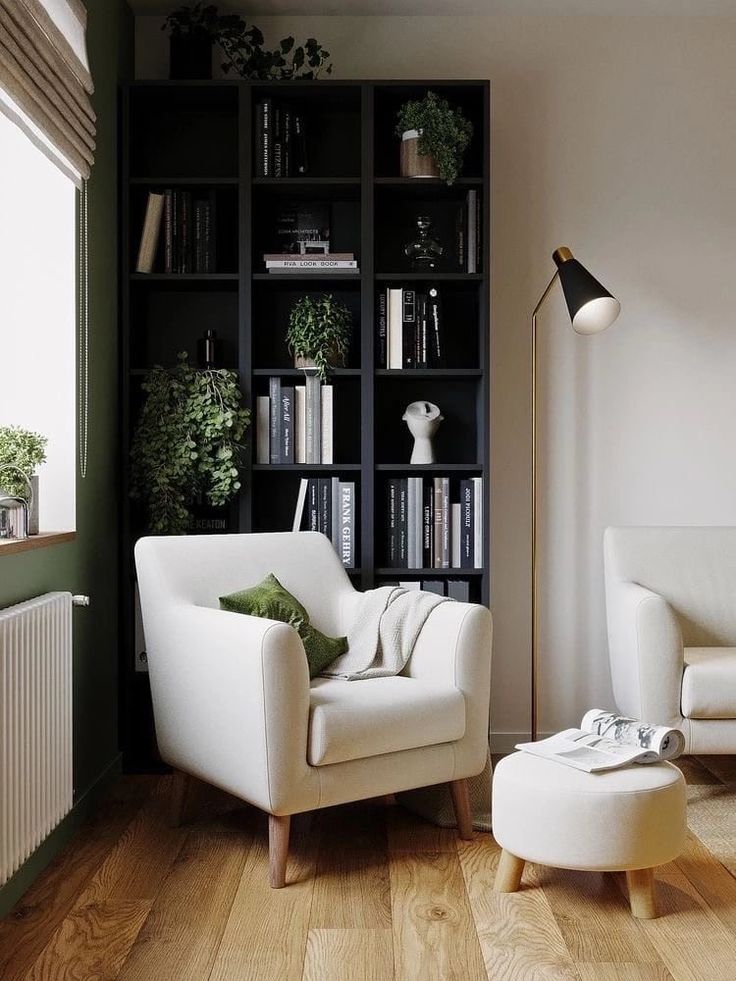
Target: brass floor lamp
[[592, 309]]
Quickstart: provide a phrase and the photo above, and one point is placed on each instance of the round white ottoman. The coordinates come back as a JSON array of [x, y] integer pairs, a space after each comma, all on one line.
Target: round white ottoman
[[629, 820]]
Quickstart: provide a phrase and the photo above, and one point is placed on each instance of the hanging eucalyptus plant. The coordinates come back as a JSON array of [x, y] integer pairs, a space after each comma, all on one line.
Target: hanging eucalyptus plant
[[188, 444]]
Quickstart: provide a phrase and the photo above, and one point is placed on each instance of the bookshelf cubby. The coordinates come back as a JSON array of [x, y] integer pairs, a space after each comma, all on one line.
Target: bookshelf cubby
[[199, 136]]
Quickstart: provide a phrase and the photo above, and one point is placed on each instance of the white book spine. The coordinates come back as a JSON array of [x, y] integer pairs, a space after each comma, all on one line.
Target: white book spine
[[455, 537], [263, 429], [299, 510], [395, 328], [300, 424], [478, 525], [313, 416], [326, 434]]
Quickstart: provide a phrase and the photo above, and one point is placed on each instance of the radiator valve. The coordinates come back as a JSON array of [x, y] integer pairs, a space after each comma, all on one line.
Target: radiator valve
[[80, 600]]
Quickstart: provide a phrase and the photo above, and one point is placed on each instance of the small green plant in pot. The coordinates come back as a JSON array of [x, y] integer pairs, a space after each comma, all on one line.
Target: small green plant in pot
[[193, 31], [434, 138], [319, 333], [23, 452], [188, 444]]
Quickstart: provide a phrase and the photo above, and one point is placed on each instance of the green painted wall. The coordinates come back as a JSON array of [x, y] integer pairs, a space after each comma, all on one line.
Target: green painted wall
[[90, 564]]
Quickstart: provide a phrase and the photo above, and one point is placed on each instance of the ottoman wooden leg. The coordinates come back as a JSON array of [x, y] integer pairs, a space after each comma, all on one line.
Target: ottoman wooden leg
[[641, 893], [508, 873], [461, 804]]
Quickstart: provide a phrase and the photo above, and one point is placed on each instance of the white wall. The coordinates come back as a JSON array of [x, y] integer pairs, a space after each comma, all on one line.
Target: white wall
[[616, 136], [37, 314]]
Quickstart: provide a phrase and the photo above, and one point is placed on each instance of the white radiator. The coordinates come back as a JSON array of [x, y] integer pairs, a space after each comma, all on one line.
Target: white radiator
[[35, 724]]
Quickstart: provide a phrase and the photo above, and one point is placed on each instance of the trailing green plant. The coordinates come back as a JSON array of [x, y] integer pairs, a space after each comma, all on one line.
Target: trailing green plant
[[23, 449], [444, 133], [319, 330], [242, 45], [188, 444], [197, 20]]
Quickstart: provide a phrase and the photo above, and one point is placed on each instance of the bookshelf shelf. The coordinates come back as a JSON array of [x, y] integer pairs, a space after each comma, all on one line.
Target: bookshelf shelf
[[200, 138]]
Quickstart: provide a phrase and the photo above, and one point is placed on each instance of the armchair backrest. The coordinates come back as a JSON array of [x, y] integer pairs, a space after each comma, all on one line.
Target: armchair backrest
[[694, 569], [198, 569]]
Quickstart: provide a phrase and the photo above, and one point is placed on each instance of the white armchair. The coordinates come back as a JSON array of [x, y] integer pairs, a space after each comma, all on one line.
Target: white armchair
[[234, 706], [671, 608]]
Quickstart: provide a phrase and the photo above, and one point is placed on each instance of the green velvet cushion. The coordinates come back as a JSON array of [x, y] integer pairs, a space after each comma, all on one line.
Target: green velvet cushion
[[269, 599]]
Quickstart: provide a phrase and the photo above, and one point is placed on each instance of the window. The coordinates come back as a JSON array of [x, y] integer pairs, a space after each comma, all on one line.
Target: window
[[37, 314]]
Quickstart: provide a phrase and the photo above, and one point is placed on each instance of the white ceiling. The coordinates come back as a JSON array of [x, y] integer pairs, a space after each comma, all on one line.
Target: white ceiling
[[407, 8]]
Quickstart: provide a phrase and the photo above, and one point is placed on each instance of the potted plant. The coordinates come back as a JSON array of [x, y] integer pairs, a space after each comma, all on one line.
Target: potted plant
[[319, 333], [434, 138], [193, 31], [188, 444], [23, 451]]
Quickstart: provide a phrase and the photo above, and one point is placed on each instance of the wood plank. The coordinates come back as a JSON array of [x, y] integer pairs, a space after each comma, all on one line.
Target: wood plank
[[433, 931], [623, 972], [408, 832], [593, 916], [91, 944], [182, 933], [714, 883], [518, 933], [266, 933], [26, 930], [351, 887], [691, 941], [361, 955]]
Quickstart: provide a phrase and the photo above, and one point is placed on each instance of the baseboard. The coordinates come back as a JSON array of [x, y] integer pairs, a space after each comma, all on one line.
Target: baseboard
[[21, 881], [503, 743]]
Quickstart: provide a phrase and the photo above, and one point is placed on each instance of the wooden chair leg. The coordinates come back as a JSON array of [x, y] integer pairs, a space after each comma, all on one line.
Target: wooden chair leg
[[642, 897], [278, 849], [461, 803], [508, 873], [178, 799]]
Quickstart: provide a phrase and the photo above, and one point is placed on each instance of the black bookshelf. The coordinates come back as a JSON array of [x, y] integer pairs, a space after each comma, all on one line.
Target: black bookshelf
[[199, 135]]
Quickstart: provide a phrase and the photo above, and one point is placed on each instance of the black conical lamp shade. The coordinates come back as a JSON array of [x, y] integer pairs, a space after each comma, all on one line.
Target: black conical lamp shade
[[592, 308]]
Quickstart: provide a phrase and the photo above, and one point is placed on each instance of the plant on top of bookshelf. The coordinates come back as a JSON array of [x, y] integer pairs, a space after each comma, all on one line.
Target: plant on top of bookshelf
[[188, 444], [319, 333], [193, 30], [434, 136]]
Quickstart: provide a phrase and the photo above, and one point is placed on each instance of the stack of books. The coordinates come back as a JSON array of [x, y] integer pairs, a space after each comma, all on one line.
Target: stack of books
[[410, 328], [327, 504], [178, 233], [457, 589], [294, 423], [468, 233], [427, 530], [310, 262], [280, 144]]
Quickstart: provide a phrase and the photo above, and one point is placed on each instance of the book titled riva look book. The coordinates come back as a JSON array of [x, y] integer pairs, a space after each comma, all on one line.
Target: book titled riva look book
[[294, 424]]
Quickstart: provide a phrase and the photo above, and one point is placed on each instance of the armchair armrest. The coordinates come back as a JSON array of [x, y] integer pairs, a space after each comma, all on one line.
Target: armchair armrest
[[455, 646], [646, 653], [231, 699]]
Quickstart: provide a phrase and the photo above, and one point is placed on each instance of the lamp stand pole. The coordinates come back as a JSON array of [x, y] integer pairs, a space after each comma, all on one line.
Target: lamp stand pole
[[534, 666]]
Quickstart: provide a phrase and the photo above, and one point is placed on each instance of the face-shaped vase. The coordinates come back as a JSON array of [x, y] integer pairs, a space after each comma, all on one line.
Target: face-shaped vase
[[423, 419]]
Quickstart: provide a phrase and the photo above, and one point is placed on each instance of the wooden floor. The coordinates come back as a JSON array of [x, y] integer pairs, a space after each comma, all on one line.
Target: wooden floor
[[374, 893]]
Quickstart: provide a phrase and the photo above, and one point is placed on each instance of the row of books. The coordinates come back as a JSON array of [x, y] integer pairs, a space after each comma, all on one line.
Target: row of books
[[294, 423], [280, 143], [310, 262], [410, 328], [178, 233], [427, 530], [468, 232], [327, 504], [457, 589]]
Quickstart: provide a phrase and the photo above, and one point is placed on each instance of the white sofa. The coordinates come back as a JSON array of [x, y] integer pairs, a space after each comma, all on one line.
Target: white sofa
[[671, 608], [233, 702]]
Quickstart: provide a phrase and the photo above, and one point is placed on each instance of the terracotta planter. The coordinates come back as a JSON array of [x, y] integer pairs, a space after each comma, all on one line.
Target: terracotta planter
[[412, 162], [333, 359]]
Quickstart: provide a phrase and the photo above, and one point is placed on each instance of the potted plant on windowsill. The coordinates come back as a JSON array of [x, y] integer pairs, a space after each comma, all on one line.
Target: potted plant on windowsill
[[193, 31], [187, 449], [434, 138], [319, 333], [23, 452]]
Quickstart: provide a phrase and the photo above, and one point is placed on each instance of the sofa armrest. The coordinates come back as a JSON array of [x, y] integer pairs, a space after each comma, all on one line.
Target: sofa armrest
[[455, 646], [231, 699], [646, 653]]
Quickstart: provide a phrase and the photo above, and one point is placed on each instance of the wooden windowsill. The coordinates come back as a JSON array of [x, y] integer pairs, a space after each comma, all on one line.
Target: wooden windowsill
[[42, 540]]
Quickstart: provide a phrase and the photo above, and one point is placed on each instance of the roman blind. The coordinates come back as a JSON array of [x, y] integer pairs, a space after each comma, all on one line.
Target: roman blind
[[45, 82]]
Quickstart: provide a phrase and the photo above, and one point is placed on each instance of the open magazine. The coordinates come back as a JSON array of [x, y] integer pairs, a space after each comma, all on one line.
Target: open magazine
[[606, 741]]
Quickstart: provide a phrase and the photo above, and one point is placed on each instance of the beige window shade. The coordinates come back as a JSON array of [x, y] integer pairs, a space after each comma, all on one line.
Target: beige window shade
[[45, 82]]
